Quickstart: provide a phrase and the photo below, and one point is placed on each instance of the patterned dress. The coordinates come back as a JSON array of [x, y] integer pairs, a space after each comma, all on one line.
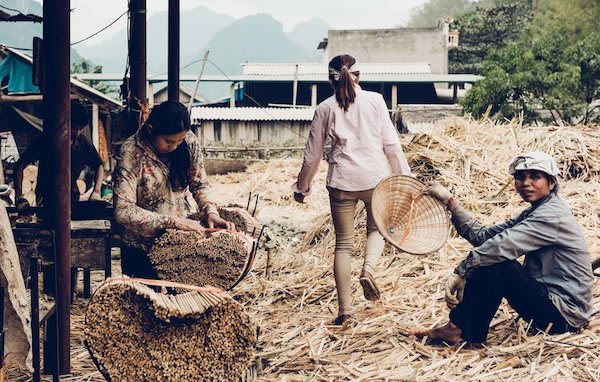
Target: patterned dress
[[145, 203]]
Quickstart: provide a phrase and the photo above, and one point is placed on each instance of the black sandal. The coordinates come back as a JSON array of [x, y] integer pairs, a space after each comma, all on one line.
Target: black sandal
[[370, 290]]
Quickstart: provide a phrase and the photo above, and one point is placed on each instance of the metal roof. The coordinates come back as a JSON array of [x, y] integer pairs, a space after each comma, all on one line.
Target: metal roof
[[19, 17], [320, 69], [201, 113], [82, 87], [312, 78]]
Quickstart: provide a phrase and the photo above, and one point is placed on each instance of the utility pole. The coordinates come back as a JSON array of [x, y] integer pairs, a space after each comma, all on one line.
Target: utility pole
[[173, 51], [57, 130], [137, 98]]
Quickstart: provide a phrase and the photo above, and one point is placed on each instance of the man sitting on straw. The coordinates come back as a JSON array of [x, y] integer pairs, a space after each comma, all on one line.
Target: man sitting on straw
[[552, 290]]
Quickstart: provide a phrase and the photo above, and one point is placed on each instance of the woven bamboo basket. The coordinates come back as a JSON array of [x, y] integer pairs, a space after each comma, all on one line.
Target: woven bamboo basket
[[407, 217], [221, 259], [134, 333], [244, 221]]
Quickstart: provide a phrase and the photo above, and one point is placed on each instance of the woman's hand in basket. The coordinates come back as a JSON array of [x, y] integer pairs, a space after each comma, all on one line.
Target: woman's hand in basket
[[215, 220], [188, 225]]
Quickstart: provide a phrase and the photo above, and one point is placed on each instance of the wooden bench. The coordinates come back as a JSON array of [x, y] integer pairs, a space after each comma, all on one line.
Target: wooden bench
[[90, 249]]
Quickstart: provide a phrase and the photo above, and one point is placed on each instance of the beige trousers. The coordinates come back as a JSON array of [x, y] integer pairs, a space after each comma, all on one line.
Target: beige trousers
[[343, 204]]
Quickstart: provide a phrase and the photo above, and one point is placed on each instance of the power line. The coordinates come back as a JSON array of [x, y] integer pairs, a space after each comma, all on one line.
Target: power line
[[10, 9], [181, 68], [15, 47], [76, 42], [101, 30]]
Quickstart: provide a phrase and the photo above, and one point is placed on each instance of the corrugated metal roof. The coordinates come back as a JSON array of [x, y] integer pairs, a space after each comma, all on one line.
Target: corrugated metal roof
[[20, 17], [311, 69], [314, 78], [201, 113], [75, 82]]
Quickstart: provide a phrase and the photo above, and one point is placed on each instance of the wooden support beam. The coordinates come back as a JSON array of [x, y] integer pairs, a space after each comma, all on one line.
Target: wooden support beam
[[95, 134]]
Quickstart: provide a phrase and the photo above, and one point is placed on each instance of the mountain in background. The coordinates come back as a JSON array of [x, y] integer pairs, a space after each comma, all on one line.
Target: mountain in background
[[197, 26], [231, 42], [308, 35], [257, 38], [21, 34]]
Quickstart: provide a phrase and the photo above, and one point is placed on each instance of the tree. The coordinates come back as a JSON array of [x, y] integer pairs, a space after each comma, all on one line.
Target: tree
[[575, 18], [586, 55], [85, 66], [484, 29], [528, 77], [430, 13]]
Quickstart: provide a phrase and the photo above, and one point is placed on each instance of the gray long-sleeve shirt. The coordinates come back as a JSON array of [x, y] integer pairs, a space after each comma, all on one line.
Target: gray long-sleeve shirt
[[555, 250]]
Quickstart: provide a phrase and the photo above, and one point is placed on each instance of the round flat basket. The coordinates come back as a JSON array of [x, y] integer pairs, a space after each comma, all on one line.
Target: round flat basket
[[407, 217]]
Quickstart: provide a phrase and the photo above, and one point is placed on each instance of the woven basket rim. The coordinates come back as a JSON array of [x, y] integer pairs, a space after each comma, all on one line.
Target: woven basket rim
[[437, 226]]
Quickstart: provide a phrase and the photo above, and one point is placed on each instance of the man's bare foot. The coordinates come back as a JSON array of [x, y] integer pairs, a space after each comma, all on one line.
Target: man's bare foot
[[448, 333]]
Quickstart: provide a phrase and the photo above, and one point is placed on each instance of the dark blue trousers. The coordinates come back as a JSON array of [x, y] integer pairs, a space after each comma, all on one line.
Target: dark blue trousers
[[484, 290]]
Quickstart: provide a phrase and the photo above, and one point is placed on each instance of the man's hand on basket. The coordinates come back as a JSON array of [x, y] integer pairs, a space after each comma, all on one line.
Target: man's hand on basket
[[455, 288], [189, 225], [443, 195], [215, 220]]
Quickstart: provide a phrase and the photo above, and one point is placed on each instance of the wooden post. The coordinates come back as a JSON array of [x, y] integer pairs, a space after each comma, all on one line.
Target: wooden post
[[232, 95], [455, 93], [150, 94], [394, 104], [268, 268], [95, 139], [57, 131], [313, 95], [193, 97], [295, 87], [173, 50]]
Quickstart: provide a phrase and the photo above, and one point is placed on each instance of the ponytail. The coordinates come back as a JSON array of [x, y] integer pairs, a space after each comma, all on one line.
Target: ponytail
[[342, 79]]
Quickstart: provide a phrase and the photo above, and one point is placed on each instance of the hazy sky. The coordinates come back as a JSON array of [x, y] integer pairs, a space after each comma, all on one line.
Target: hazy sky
[[89, 16]]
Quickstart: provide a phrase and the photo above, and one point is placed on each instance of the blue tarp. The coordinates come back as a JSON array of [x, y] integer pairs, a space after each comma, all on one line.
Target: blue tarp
[[19, 75]]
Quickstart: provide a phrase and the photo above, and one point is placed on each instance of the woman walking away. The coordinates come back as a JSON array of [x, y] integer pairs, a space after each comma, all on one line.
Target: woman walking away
[[553, 287], [157, 165], [365, 148]]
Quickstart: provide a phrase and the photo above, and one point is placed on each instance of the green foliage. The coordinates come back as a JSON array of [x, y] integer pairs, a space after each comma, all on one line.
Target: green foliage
[[485, 29], [540, 78], [586, 55], [576, 19], [430, 13], [85, 66]]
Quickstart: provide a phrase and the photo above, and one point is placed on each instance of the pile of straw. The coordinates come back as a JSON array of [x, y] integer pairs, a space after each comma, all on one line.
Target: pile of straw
[[296, 306]]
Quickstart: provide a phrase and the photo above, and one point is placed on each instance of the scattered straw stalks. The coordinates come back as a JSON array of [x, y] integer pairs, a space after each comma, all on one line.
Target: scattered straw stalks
[[294, 308]]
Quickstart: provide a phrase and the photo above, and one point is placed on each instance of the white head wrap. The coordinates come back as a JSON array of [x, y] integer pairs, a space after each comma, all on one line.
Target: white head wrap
[[336, 73], [535, 160]]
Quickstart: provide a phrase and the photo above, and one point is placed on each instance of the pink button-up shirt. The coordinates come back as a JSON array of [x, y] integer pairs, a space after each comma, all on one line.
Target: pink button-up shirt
[[365, 147]]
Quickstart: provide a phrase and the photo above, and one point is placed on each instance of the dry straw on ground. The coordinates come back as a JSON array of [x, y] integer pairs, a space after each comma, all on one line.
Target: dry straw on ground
[[295, 307]]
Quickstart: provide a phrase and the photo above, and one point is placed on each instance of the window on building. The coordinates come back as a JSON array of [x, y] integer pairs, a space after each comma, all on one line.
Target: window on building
[[453, 39]]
